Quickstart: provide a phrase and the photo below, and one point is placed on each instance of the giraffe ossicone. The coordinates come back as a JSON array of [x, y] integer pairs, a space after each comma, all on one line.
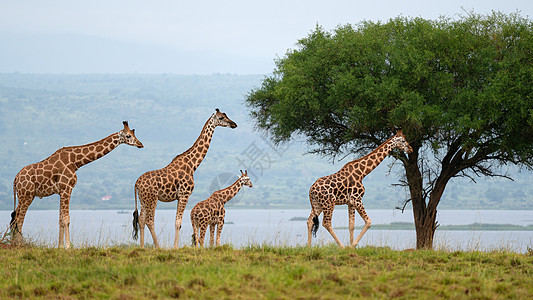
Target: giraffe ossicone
[[173, 182], [346, 187], [56, 174], [211, 212]]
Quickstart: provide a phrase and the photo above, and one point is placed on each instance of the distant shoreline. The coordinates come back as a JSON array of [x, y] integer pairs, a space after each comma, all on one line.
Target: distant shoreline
[[468, 227]]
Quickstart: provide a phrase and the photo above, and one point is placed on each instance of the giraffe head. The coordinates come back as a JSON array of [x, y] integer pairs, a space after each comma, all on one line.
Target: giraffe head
[[222, 120], [398, 141], [245, 180], [127, 136]]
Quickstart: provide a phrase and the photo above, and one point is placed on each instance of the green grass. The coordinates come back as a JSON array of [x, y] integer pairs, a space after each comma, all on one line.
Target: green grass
[[262, 272]]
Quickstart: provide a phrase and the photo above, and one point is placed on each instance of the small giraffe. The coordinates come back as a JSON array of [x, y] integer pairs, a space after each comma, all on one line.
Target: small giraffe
[[173, 182], [346, 187], [57, 175], [210, 212]]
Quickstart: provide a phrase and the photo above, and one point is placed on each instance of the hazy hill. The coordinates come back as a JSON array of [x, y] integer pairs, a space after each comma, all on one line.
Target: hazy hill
[[41, 113]]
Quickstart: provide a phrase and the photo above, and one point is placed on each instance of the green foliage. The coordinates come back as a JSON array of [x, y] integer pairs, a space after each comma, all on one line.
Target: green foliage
[[437, 80], [262, 272]]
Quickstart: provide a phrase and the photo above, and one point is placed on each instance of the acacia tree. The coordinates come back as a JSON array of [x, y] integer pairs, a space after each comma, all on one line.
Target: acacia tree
[[461, 89]]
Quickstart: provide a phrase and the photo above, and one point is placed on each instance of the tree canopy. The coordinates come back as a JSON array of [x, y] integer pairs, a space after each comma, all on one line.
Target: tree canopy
[[461, 90]]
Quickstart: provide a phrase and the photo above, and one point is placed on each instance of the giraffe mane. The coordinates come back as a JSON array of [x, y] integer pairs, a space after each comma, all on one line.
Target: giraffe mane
[[84, 145], [375, 150], [231, 186], [195, 142]]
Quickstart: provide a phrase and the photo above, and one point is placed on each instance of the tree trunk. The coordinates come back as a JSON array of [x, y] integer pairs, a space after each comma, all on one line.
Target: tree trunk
[[425, 228], [424, 215]]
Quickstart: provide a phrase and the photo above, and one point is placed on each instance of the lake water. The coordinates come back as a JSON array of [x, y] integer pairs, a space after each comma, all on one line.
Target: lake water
[[273, 227]]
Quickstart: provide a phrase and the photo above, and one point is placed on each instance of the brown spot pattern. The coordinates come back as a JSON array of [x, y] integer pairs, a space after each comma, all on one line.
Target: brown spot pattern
[[211, 213], [175, 181], [56, 175], [346, 187]]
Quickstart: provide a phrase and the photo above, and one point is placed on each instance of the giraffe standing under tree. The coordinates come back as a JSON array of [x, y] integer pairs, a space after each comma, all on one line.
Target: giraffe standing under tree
[[57, 175], [173, 182], [210, 212], [346, 187]]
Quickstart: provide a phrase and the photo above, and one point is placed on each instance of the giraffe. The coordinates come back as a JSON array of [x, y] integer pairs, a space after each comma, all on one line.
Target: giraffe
[[56, 174], [210, 212], [346, 187], [173, 182]]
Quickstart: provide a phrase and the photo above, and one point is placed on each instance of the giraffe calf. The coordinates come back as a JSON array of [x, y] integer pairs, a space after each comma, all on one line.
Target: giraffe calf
[[210, 212]]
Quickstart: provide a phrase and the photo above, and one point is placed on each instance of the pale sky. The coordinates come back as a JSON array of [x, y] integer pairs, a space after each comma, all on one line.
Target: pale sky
[[189, 37]]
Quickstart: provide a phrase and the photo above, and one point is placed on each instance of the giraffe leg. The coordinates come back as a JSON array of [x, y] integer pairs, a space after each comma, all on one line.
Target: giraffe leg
[[310, 229], [364, 216], [351, 221], [64, 220], [147, 217], [22, 208], [67, 232], [182, 202], [142, 223], [151, 227], [203, 230], [61, 234], [196, 237], [194, 242], [328, 213], [212, 235], [220, 225], [150, 221]]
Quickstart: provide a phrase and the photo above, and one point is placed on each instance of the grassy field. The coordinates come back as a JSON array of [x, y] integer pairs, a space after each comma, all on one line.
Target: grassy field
[[262, 272]]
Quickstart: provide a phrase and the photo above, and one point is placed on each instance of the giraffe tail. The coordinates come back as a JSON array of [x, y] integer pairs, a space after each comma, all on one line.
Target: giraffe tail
[[135, 222], [316, 224], [193, 239], [12, 225]]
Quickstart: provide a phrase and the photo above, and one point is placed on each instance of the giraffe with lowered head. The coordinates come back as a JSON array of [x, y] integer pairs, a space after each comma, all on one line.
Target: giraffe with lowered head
[[211, 212], [173, 182], [346, 187], [57, 175]]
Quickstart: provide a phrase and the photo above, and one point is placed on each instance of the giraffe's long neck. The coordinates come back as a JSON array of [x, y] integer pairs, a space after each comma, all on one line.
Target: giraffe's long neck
[[230, 192], [369, 162], [196, 154], [84, 154]]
